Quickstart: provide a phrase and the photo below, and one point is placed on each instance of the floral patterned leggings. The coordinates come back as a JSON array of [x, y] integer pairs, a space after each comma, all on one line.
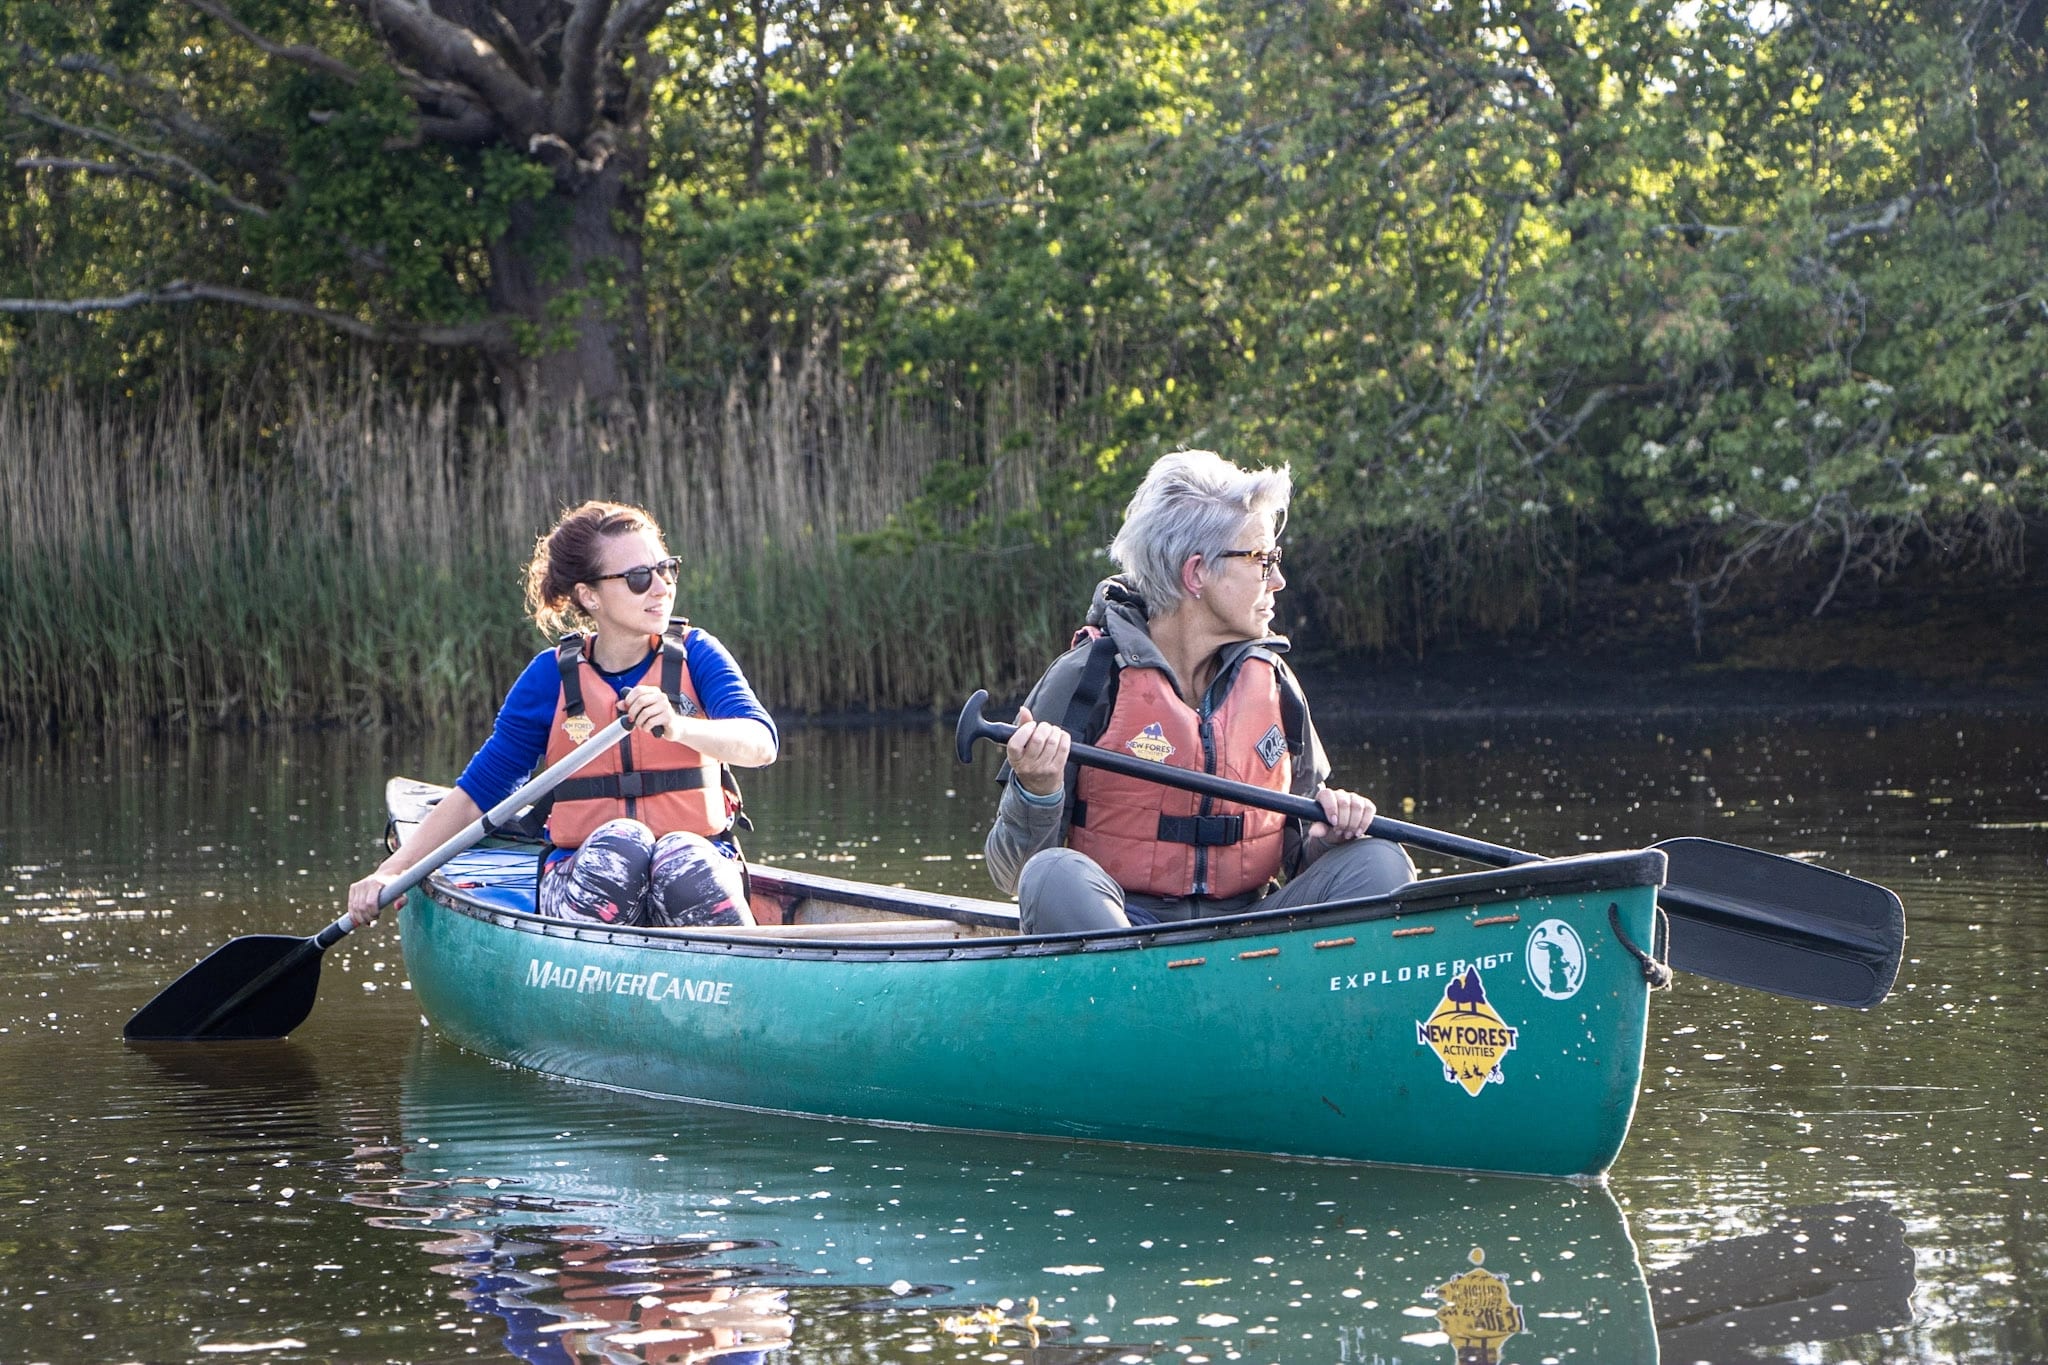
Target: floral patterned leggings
[[623, 874]]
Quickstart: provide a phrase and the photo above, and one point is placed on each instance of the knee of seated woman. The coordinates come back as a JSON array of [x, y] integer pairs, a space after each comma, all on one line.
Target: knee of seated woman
[[694, 884], [1055, 862], [1382, 859], [624, 832]]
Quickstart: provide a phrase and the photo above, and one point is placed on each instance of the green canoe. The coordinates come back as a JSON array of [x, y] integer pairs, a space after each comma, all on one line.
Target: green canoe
[[1487, 1022]]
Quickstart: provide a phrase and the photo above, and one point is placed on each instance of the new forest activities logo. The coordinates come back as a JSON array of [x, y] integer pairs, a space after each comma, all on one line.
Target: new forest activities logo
[[1151, 743], [1466, 1034]]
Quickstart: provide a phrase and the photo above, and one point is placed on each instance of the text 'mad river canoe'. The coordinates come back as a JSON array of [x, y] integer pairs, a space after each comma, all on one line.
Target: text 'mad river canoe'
[[1487, 1022]]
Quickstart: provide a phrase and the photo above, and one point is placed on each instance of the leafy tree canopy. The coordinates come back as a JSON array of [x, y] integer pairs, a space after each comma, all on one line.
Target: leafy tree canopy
[[1522, 292]]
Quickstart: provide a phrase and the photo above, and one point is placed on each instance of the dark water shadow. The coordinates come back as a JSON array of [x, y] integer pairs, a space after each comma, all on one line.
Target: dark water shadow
[[1818, 1274]]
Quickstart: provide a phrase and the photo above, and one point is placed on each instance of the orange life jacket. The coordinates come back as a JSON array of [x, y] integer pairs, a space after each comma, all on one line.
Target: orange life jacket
[[669, 787], [1160, 841]]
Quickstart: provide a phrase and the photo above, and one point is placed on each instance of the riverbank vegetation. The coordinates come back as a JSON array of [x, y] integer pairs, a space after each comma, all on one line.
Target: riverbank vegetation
[[306, 334]]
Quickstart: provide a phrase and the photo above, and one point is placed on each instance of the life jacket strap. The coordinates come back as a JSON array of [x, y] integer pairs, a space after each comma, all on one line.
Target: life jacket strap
[[1095, 691], [632, 785], [673, 659], [568, 660], [1203, 831]]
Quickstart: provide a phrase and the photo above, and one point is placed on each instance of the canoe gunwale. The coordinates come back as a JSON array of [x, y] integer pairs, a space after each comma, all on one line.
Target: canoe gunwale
[[1582, 874]]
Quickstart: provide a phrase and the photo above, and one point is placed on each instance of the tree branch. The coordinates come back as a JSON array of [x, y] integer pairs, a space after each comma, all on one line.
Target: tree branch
[[1893, 214], [576, 96], [629, 23], [117, 168], [171, 118], [515, 49], [1712, 232], [1887, 219], [23, 108], [491, 333], [472, 127], [312, 58], [450, 49]]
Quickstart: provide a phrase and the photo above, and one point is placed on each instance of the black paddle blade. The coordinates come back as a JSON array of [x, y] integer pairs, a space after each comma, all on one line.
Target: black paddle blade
[[1756, 919], [257, 986]]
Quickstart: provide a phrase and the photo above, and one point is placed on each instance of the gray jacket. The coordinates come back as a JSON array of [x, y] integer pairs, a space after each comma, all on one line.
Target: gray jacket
[[1022, 829]]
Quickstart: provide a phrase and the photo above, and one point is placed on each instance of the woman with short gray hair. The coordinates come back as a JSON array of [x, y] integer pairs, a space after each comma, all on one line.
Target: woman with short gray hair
[[1178, 664], [1193, 502]]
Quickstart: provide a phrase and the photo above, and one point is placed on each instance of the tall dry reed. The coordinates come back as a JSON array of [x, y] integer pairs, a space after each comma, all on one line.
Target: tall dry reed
[[348, 553]]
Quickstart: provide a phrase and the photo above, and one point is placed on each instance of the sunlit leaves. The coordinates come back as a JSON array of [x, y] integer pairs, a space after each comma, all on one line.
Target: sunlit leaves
[[1521, 292]]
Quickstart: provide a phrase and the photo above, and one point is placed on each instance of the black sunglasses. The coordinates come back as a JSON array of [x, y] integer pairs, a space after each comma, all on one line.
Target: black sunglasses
[[640, 577]]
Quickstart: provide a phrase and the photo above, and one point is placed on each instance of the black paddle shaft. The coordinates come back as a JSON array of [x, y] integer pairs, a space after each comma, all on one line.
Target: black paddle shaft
[[973, 726], [1740, 915]]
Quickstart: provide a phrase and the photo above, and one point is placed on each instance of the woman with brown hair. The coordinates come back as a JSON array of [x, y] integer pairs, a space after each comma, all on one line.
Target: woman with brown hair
[[644, 834]]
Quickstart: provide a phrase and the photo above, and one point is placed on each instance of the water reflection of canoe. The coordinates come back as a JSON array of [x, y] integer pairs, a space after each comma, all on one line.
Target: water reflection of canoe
[[538, 1184], [1492, 1021]]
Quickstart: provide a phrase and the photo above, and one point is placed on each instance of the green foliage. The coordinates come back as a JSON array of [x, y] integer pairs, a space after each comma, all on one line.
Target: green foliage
[[1664, 289], [373, 219]]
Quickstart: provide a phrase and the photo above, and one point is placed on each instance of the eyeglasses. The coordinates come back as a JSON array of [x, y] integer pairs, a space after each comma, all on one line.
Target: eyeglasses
[[640, 577], [1267, 560]]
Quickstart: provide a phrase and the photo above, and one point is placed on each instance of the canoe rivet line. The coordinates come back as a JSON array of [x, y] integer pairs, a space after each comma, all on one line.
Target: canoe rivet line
[[1259, 952], [1187, 962], [1497, 919], [1336, 943], [1419, 929]]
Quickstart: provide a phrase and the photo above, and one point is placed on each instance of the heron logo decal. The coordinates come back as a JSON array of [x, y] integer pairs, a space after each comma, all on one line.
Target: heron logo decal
[[1467, 1035], [1478, 1315], [1151, 743], [1557, 959]]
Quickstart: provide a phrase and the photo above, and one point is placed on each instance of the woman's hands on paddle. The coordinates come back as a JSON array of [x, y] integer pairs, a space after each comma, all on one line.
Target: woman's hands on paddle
[[362, 898], [452, 813], [1038, 754], [739, 740], [648, 708], [1345, 816]]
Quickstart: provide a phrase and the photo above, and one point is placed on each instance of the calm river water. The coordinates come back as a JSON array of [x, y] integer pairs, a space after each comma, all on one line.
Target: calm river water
[[1801, 1184]]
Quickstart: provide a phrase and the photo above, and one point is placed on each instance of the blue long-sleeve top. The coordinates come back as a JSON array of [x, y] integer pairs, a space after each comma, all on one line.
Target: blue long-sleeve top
[[519, 737]]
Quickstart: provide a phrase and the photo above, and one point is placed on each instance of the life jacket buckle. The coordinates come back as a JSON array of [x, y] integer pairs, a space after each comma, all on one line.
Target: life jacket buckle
[[1203, 831]]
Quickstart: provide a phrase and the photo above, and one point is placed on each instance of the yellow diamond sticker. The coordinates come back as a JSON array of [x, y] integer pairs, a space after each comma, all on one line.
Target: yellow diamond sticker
[[1151, 744], [578, 728], [1478, 1316], [1468, 1037]]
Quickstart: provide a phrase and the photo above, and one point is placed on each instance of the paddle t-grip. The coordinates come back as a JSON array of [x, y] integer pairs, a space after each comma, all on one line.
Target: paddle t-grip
[[658, 731], [973, 727]]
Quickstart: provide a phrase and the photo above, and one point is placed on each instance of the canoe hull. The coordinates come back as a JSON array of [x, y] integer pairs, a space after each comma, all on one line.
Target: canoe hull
[[1352, 1033]]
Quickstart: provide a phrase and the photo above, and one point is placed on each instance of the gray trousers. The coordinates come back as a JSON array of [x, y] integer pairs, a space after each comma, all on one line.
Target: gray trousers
[[1060, 891]]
